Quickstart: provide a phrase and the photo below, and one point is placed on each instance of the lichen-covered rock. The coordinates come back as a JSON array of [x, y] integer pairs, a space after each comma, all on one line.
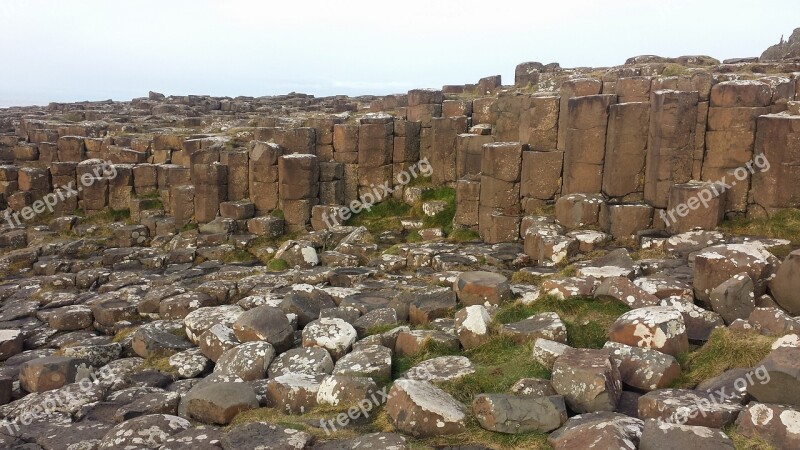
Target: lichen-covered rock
[[511, 414], [658, 327], [442, 368], [219, 403], [734, 298], [643, 368], [687, 407], [334, 335], [52, 372], [776, 424], [259, 434], [779, 378], [413, 341], [546, 352], [588, 380], [294, 393], [190, 363], [422, 410], [265, 323], [480, 287], [384, 441], [374, 361], [144, 432], [599, 430], [544, 325], [248, 361], [717, 264], [658, 435], [472, 326], [200, 320], [307, 360], [345, 390]]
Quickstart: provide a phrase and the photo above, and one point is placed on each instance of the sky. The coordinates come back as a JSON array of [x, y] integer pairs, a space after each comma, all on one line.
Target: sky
[[55, 50]]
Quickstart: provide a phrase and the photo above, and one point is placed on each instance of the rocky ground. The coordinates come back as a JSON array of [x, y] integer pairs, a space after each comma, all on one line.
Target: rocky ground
[[354, 338]]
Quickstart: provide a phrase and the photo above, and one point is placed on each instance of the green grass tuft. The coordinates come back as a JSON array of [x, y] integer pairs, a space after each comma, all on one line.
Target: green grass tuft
[[588, 320], [725, 349], [784, 224], [277, 265], [464, 235]]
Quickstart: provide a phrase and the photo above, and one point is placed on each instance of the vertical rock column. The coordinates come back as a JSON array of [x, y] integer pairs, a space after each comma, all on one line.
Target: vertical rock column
[[93, 196], [263, 175], [63, 175], [775, 180], [578, 87], [585, 143], [323, 132], [375, 148], [298, 177], [211, 189], [626, 151], [238, 164], [730, 139], [405, 150], [499, 212], [345, 151], [443, 154], [670, 144], [538, 125], [423, 106]]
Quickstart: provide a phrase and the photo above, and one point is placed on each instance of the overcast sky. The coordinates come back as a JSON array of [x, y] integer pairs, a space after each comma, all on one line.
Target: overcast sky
[[98, 49]]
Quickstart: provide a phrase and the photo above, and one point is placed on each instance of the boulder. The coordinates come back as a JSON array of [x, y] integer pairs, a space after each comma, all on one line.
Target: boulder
[[511, 414], [422, 410], [658, 327], [479, 287], [588, 380]]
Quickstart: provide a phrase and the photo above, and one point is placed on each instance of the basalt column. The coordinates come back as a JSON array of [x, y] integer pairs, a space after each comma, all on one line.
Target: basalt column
[[735, 106], [499, 213], [585, 143], [670, 144]]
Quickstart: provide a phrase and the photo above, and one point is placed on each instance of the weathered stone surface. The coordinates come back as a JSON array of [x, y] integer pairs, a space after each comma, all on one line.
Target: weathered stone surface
[[775, 424], [734, 299], [782, 366], [52, 372], [658, 435], [544, 325], [512, 414], [248, 361], [254, 435], [784, 286], [149, 431], [334, 335], [472, 326], [478, 288], [307, 360], [588, 380], [598, 430], [294, 393], [265, 323], [643, 368], [687, 407], [442, 368], [374, 361], [658, 327], [420, 409]]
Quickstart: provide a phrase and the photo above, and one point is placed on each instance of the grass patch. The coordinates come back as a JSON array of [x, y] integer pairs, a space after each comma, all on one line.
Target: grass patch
[[393, 250], [381, 217], [587, 319], [149, 196], [742, 442], [413, 236], [443, 219], [108, 215], [648, 253], [277, 265], [499, 364], [158, 363], [189, 227], [785, 224], [237, 255], [464, 235], [380, 329], [526, 278], [278, 213], [303, 422], [724, 350], [673, 70], [123, 334], [430, 349]]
